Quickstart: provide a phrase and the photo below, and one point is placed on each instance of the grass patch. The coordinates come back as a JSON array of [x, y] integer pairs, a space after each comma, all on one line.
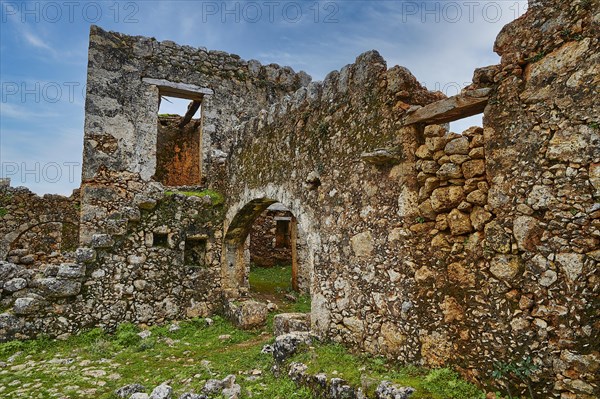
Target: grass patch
[[216, 197], [367, 371], [94, 363], [271, 280], [3, 212]]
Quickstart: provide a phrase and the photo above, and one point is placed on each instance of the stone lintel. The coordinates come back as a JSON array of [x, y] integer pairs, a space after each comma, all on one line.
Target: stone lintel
[[468, 103], [179, 90]]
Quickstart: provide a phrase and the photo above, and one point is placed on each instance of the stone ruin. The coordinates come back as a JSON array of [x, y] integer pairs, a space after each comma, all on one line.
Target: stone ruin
[[413, 242]]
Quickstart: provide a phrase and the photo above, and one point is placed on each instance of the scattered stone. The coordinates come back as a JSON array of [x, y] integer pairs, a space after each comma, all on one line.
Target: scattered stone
[[247, 314], [144, 334], [162, 391], [128, 390], [505, 267], [288, 344], [387, 390]]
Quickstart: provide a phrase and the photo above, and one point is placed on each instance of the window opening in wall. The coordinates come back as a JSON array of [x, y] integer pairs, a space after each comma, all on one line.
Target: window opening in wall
[[179, 142], [160, 240], [195, 251], [460, 125], [282, 232]]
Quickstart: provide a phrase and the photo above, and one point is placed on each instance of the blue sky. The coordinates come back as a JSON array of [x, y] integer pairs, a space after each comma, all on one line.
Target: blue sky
[[43, 56]]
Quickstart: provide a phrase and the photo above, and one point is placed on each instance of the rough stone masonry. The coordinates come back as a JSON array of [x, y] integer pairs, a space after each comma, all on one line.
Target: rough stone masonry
[[446, 249]]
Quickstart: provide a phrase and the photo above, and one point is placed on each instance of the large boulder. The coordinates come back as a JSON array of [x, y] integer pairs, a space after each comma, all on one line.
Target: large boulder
[[246, 314], [285, 323]]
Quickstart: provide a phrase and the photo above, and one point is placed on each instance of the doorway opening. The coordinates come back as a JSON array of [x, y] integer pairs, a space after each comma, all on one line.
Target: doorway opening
[[265, 255]]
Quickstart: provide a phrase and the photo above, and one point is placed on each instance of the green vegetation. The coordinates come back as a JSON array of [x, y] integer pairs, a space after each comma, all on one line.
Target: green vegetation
[[515, 372], [594, 125], [216, 197], [271, 280], [368, 371], [94, 364], [273, 283], [3, 212]]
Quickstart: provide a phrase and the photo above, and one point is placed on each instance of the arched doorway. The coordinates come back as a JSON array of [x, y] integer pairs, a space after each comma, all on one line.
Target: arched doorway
[[286, 234]]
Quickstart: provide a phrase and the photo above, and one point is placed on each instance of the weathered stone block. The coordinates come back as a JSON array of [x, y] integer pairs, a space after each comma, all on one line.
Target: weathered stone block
[[247, 314], [85, 255], [505, 267], [449, 171], [102, 241], [527, 232], [446, 198], [473, 168], [15, 284], [457, 146], [479, 217], [27, 305], [459, 222], [288, 344], [362, 244], [571, 264], [71, 270], [496, 238], [59, 288], [285, 323]]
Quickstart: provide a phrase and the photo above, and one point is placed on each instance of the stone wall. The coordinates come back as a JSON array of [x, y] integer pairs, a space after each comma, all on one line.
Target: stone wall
[[542, 143], [268, 246], [37, 230], [163, 264], [126, 77], [425, 246]]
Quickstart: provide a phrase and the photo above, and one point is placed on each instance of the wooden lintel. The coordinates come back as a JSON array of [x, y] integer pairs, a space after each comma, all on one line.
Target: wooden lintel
[[468, 103]]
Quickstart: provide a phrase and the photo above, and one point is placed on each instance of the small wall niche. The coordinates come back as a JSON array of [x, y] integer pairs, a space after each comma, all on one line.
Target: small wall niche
[[195, 251], [160, 240]]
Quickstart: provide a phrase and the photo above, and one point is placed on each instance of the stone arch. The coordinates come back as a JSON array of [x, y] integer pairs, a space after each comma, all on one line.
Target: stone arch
[[238, 223], [8, 240]]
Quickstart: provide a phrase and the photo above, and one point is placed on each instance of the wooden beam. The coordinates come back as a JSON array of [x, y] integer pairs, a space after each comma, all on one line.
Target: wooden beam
[[468, 103], [192, 109]]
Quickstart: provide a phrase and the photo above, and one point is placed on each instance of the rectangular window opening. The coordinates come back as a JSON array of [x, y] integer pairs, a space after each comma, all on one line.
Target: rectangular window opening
[[282, 233], [179, 141], [195, 252]]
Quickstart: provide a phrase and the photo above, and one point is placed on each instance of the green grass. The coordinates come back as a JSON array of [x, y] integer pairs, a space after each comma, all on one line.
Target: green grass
[[216, 197], [3, 212], [186, 358], [271, 280], [94, 364], [367, 371]]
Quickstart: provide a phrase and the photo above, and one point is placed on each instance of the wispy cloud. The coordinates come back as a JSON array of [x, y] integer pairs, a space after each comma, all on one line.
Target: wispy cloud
[[36, 41]]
